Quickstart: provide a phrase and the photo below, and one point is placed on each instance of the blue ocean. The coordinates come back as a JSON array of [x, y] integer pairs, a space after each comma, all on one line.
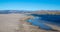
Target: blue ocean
[[40, 19]]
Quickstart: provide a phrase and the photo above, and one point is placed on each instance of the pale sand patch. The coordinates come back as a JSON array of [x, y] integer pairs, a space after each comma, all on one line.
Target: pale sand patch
[[54, 27], [10, 22]]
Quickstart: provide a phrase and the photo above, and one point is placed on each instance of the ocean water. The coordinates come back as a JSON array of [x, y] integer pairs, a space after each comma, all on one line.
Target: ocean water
[[39, 20], [55, 19]]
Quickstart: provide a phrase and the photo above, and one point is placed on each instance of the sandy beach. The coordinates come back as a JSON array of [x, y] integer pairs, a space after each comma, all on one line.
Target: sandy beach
[[17, 23], [9, 22]]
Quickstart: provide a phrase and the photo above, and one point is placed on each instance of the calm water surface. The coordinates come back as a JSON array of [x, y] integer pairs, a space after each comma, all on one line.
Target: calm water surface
[[39, 20]]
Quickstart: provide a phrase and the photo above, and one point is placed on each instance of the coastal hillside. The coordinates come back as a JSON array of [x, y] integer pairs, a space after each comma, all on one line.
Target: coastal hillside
[[46, 12]]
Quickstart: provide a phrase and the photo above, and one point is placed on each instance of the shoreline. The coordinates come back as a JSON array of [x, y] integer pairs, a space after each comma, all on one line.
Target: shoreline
[[17, 23]]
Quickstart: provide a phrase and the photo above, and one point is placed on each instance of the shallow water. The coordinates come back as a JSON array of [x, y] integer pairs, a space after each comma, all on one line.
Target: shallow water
[[41, 25]]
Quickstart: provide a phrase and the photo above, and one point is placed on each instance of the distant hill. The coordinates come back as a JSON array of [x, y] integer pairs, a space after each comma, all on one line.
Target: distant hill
[[13, 11], [32, 12], [46, 12]]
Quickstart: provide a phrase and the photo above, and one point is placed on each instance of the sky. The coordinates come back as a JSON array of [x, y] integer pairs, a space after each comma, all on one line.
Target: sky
[[29, 4]]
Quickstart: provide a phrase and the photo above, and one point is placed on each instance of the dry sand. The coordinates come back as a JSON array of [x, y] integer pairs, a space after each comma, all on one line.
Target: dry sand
[[17, 23], [9, 22]]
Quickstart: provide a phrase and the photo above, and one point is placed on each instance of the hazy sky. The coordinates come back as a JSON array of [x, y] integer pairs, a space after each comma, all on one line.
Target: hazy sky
[[29, 4]]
